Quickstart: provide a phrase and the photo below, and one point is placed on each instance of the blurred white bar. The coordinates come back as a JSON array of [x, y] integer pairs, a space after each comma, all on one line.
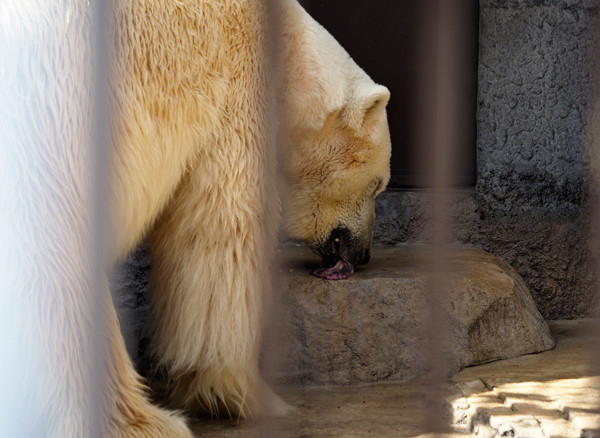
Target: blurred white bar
[[51, 269]]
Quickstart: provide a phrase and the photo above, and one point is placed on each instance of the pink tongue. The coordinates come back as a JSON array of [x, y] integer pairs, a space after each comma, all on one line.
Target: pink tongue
[[341, 270]]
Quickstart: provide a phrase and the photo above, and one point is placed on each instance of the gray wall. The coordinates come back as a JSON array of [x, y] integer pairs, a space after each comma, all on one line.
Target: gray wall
[[531, 203], [534, 95]]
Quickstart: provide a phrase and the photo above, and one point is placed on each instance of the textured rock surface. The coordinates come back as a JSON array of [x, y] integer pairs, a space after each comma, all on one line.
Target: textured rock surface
[[551, 250], [371, 327], [552, 394], [535, 93]]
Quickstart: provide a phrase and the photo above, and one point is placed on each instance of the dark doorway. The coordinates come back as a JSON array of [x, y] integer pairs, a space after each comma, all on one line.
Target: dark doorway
[[385, 38]]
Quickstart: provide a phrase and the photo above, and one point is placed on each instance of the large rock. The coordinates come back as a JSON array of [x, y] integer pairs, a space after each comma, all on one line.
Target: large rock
[[374, 325]]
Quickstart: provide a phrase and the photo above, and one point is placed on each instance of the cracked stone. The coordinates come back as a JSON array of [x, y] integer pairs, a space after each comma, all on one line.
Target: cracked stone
[[373, 326]]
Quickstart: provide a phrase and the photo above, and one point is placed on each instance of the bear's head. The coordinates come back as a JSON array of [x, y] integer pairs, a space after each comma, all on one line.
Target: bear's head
[[333, 175], [334, 143]]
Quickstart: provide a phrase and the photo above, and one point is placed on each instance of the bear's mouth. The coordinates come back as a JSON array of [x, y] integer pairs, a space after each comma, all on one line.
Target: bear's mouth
[[342, 269], [335, 261]]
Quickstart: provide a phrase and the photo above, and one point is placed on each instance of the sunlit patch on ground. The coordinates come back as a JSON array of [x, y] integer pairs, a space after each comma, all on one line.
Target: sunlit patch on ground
[[553, 394]]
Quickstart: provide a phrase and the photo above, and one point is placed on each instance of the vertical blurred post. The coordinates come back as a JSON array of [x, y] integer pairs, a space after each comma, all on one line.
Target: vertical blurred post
[[273, 113], [52, 155], [593, 145], [101, 234], [443, 54]]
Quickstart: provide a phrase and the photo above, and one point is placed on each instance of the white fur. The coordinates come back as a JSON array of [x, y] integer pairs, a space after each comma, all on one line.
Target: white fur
[[193, 130], [334, 147]]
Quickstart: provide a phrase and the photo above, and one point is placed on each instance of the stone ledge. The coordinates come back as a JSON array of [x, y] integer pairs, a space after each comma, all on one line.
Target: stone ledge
[[566, 378], [371, 328]]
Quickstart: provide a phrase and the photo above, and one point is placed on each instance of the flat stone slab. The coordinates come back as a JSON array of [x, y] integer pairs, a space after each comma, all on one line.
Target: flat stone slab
[[553, 394], [378, 324]]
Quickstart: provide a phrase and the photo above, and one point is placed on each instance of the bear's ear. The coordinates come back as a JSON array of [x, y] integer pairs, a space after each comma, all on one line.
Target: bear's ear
[[365, 105]]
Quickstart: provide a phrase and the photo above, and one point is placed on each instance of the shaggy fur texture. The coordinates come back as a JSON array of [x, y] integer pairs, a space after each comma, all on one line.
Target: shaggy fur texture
[[194, 131], [334, 146]]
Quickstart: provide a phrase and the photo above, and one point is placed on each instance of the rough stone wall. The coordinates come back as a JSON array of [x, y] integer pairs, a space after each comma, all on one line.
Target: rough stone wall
[[535, 81], [530, 205], [550, 250]]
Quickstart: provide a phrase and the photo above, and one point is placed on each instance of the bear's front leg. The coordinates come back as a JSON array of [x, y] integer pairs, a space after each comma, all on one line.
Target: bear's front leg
[[130, 415], [209, 286]]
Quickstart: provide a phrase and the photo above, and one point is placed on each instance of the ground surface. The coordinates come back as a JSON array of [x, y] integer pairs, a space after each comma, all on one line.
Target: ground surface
[[551, 394]]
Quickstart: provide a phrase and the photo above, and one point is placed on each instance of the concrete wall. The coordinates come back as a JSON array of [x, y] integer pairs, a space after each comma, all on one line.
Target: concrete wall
[[534, 97], [531, 204]]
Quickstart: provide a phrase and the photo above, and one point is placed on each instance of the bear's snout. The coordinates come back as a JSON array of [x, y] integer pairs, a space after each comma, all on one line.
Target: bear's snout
[[343, 245]]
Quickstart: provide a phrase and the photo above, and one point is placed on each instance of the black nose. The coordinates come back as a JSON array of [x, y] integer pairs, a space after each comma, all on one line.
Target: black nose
[[341, 244], [335, 247]]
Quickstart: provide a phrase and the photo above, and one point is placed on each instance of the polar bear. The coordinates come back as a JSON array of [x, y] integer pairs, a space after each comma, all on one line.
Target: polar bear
[[211, 104]]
